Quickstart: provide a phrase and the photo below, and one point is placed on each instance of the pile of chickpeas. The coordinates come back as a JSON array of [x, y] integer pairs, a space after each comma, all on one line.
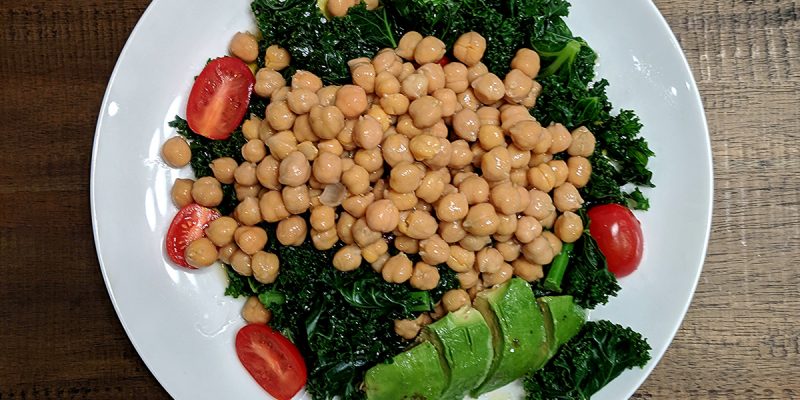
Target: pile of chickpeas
[[438, 159]]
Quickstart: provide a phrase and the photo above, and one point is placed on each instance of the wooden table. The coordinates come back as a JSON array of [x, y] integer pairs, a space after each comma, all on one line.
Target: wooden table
[[60, 337]]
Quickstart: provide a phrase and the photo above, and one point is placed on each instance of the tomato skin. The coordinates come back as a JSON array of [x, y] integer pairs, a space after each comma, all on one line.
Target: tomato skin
[[188, 225], [444, 61], [272, 360], [619, 236], [219, 98]]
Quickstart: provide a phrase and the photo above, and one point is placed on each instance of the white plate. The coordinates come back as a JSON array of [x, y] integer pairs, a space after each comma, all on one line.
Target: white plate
[[180, 322]]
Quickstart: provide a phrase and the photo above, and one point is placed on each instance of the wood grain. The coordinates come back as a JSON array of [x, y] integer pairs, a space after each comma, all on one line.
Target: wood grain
[[59, 335]]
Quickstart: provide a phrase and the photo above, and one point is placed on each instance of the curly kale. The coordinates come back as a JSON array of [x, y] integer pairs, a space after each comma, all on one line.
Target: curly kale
[[598, 354]]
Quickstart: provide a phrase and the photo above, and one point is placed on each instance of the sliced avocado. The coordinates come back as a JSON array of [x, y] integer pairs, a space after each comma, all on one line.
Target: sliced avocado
[[464, 341], [414, 374], [518, 331], [563, 319]]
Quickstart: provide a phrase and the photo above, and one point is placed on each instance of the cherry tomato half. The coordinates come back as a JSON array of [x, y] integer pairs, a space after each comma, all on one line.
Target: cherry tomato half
[[219, 97], [444, 61], [187, 226], [272, 360], [619, 236]]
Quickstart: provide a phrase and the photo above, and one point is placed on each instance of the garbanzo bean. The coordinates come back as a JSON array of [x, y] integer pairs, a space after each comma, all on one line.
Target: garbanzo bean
[[406, 244], [451, 232], [406, 328], [452, 207], [364, 76], [517, 85], [424, 277], [583, 142], [481, 220], [327, 168], [250, 239], [476, 71], [181, 192], [496, 164], [561, 138], [309, 150], [528, 229], [527, 61], [351, 100], [526, 134], [414, 86], [323, 218], [244, 46], [474, 243], [301, 100], [291, 231], [476, 189], [344, 228], [519, 176], [250, 127], [460, 154], [434, 250], [277, 57], [469, 48], [510, 115], [254, 311], [280, 94], [539, 159], [370, 159], [567, 198], [429, 50], [254, 150], [407, 44], [223, 169], [527, 270], [435, 74], [468, 279], [538, 251], [460, 259], [356, 179], [326, 121], [266, 266], [374, 251], [519, 158], [385, 120], [580, 170], [442, 157], [357, 205], [296, 199], [503, 274], [560, 170], [207, 192], [553, 240], [324, 240], [466, 124], [387, 60], [488, 88], [247, 211], [294, 169], [530, 100], [201, 253], [488, 260], [279, 116], [245, 174], [386, 84], [306, 80], [510, 250], [348, 258], [542, 177], [338, 8], [281, 144], [544, 143], [419, 225], [225, 252], [240, 262], [176, 152], [395, 150], [448, 102], [382, 216], [267, 173], [272, 207], [455, 75], [405, 177], [455, 299], [395, 104], [397, 269], [491, 136], [507, 226], [367, 132], [568, 227], [327, 95], [425, 147]]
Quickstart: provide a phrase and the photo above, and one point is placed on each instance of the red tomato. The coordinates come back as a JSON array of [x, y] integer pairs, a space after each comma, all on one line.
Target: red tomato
[[272, 360], [219, 97], [619, 236], [187, 226], [444, 61]]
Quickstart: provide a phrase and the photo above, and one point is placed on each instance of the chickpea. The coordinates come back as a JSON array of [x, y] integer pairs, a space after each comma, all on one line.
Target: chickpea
[[397, 269], [491, 136], [466, 124], [455, 75], [254, 312], [583, 142], [506, 198], [442, 157], [245, 174], [469, 48], [356, 179], [568, 227], [510, 250], [407, 329], [488, 260], [519, 158], [294, 169], [488, 116], [539, 159], [326, 121], [182, 192], [548, 221], [254, 150], [244, 46], [481, 220], [434, 250], [395, 150], [265, 266], [240, 262], [279, 115], [351, 100], [363, 74], [425, 147], [225, 252], [207, 192], [395, 104], [555, 243], [406, 244], [527, 61], [476, 189], [460, 154], [468, 279], [455, 299], [474, 243], [414, 86], [250, 239], [580, 169], [324, 240], [357, 205], [367, 133], [528, 229], [419, 225], [248, 212], [385, 120], [267, 173], [291, 231], [544, 143], [250, 127], [542, 177], [281, 144], [526, 134], [272, 206], [560, 170], [460, 259], [300, 101], [344, 228], [561, 138], [519, 176], [405, 177], [510, 115], [280, 94], [424, 277], [306, 80], [276, 57], [530, 100], [496, 164], [435, 74], [507, 226], [296, 199], [501, 276], [387, 60], [538, 251], [476, 71], [406, 127], [517, 85], [348, 258], [386, 84], [382, 216], [371, 253], [323, 218], [201, 253], [567, 198], [327, 168], [176, 152], [452, 207], [406, 69], [527, 270], [407, 44], [429, 50], [327, 95], [309, 150], [268, 81], [451, 232], [448, 102]]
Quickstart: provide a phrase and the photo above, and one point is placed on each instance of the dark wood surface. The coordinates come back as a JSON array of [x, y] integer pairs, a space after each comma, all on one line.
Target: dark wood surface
[[60, 337]]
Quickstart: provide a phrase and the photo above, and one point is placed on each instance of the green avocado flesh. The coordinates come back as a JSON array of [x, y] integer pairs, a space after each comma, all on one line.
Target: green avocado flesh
[[464, 342], [563, 319], [518, 330], [415, 374]]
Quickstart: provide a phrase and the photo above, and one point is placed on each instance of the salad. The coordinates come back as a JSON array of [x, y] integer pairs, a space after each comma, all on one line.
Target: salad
[[419, 199]]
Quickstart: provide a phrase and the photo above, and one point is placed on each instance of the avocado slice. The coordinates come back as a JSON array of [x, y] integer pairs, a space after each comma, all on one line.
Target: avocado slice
[[413, 374], [518, 331], [464, 342], [563, 319]]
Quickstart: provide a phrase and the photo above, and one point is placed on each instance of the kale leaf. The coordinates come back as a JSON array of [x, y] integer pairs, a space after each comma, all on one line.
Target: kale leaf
[[599, 353]]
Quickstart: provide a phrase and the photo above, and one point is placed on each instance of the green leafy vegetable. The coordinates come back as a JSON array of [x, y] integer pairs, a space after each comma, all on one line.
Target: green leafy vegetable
[[598, 354]]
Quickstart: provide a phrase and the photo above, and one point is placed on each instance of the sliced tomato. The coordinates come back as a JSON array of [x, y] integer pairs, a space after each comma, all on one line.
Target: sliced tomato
[[219, 97], [619, 236], [187, 226], [272, 360], [444, 61]]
